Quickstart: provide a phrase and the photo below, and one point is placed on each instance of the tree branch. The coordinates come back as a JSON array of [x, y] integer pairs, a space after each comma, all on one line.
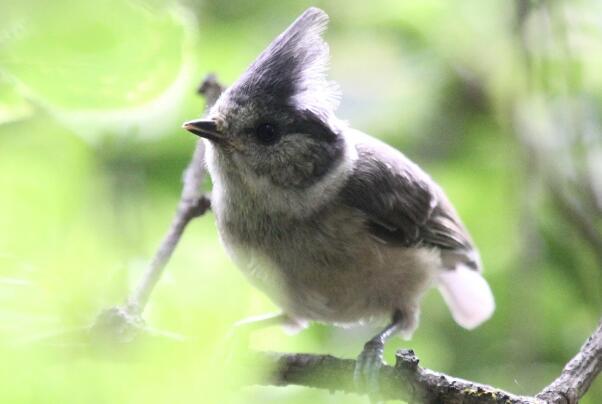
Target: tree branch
[[578, 375], [192, 204], [123, 323], [405, 381], [409, 382]]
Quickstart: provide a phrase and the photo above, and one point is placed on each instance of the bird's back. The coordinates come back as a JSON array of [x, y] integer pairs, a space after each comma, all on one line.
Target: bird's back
[[405, 207]]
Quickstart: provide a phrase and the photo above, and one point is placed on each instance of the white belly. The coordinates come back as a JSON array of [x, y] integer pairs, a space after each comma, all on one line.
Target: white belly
[[334, 272]]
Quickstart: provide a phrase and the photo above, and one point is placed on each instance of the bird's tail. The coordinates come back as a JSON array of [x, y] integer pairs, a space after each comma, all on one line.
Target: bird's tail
[[467, 295]]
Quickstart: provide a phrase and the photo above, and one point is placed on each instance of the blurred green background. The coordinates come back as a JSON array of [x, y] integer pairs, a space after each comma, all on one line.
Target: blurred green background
[[500, 101]]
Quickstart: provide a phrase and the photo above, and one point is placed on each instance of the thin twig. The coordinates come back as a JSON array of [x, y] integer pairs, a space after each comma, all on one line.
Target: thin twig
[[123, 323], [192, 204], [578, 375]]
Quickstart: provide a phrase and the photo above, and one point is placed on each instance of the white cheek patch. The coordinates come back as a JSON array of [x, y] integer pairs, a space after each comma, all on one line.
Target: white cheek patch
[[295, 202], [326, 187]]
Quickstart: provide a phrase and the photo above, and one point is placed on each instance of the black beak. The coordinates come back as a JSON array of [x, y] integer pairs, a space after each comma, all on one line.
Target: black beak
[[206, 128]]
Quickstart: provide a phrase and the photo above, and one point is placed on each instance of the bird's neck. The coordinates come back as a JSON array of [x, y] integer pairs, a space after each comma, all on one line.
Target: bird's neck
[[251, 192]]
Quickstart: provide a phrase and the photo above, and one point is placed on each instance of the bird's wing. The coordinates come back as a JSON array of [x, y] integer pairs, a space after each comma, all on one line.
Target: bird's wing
[[402, 204]]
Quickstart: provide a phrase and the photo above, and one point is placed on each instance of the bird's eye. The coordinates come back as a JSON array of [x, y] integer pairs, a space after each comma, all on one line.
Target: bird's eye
[[267, 134]]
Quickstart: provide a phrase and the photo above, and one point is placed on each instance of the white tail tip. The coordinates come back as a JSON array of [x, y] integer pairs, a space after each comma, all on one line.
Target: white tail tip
[[467, 295]]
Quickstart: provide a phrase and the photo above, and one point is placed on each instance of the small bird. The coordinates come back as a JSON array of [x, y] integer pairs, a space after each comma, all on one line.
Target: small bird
[[332, 224]]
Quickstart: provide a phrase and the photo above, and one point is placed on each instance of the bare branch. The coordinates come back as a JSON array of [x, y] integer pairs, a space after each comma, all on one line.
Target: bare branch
[[409, 382], [405, 381], [578, 375], [192, 204], [123, 323]]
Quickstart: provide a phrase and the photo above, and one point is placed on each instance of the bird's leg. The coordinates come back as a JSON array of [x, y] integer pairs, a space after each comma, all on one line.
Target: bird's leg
[[234, 347], [250, 324], [370, 361], [237, 339]]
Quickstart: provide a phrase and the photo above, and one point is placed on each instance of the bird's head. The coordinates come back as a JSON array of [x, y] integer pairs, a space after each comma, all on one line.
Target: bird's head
[[277, 121]]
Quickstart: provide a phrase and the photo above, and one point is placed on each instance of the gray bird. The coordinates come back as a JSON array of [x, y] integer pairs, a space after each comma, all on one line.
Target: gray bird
[[332, 224]]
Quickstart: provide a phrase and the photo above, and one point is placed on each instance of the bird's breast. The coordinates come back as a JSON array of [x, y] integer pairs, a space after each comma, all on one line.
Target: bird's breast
[[325, 267]]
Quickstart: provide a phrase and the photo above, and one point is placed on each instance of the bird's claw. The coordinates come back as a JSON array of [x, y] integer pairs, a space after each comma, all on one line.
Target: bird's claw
[[234, 345], [367, 369]]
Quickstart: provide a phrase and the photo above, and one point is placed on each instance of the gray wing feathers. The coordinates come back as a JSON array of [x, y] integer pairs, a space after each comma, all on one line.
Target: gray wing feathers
[[404, 206]]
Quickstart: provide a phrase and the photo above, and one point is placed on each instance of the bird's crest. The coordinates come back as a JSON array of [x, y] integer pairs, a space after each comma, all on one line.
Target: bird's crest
[[293, 67]]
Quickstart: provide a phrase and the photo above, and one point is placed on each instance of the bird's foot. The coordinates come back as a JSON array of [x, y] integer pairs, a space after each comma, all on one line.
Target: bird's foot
[[234, 345], [367, 369]]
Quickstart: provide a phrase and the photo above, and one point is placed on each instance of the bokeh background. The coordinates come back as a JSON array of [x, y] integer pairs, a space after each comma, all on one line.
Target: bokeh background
[[501, 101]]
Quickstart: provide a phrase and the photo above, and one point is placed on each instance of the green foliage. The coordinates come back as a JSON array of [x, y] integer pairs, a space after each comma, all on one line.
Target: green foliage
[[91, 99]]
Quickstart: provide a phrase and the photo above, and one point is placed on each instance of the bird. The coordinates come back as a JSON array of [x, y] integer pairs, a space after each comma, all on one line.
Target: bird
[[334, 225]]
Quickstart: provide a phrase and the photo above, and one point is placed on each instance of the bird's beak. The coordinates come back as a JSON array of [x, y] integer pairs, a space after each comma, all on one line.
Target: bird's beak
[[206, 128]]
